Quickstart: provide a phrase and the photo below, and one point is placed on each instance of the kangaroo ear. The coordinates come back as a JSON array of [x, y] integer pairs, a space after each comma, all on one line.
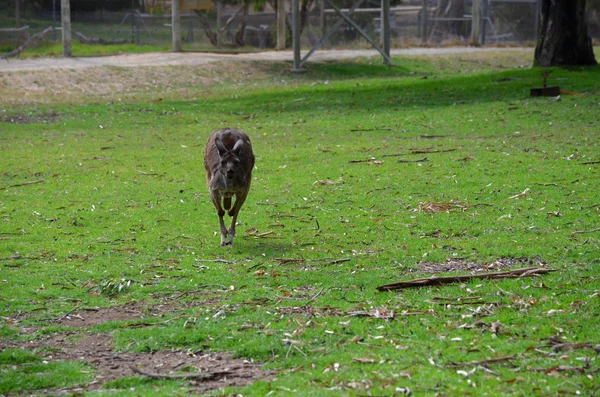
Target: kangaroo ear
[[237, 148], [220, 147]]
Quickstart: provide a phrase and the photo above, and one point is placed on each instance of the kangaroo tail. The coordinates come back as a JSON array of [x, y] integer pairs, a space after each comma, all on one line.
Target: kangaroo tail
[[227, 203]]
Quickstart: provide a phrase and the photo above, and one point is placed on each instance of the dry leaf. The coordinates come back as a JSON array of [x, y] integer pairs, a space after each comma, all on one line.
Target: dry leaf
[[363, 360]]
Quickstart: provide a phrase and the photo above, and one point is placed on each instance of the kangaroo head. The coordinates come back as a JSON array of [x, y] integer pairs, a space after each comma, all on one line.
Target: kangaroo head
[[230, 159]]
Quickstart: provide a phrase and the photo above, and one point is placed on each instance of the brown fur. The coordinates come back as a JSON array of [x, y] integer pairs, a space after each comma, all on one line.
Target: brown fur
[[228, 160]]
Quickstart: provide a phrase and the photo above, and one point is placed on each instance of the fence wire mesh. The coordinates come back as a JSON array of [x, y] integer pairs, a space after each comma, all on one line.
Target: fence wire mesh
[[251, 24]]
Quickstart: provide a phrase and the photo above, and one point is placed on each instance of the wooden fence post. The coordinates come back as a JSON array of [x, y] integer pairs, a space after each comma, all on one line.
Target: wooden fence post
[[424, 21], [385, 29], [476, 23], [281, 25], [485, 16], [176, 25], [296, 35], [65, 16]]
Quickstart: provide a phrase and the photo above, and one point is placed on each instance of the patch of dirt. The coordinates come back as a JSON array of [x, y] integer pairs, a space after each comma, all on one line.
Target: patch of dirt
[[218, 370], [110, 83], [454, 265], [48, 117], [132, 311], [221, 369], [128, 312]]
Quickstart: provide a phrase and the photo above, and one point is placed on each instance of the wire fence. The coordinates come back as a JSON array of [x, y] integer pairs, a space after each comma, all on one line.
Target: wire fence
[[228, 24]]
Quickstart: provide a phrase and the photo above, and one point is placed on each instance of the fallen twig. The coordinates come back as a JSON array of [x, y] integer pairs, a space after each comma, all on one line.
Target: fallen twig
[[314, 297], [67, 314], [197, 376], [586, 231], [29, 42], [265, 234], [213, 260], [482, 362], [371, 161], [426, 151], [560, 368], [336, 261], [420, 282], [458, 302], [591, 206], [24, 184], [551, 184], [285, 261], [371, 129], [424, 159], [567, 346], [381, 313]]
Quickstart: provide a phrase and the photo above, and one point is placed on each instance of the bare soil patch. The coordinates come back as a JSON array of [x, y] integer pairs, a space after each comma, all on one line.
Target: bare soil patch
[[48, 117], [97, 351], [102, 83], [217, 370], [133, 311], [93, 316]]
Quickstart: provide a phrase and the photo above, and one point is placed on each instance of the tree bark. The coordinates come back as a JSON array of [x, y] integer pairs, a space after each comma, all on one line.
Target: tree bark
[[564, 39], [443, 29]]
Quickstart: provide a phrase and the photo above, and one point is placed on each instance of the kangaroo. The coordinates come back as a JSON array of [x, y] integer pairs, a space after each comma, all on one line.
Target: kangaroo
[[228, 160]]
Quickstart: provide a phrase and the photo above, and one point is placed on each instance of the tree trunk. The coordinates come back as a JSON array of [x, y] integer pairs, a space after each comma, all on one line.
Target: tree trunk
[[444, 29], [564, 39], [239, 35], [211, 34], [305, 6]]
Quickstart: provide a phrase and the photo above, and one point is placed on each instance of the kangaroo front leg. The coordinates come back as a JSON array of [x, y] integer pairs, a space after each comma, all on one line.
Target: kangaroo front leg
[[224, 232], [233, 212], [216, 199], [231, 231]]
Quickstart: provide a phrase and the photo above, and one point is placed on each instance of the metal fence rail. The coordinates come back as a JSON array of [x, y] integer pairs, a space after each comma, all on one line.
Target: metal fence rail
[[226, 24]]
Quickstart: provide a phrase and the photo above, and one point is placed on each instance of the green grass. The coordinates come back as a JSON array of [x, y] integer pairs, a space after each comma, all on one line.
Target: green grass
[[122, 202], [24, 371], [78, 49]]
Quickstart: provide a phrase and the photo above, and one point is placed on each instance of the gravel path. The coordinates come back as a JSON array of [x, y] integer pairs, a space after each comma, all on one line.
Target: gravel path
[[196, 58]]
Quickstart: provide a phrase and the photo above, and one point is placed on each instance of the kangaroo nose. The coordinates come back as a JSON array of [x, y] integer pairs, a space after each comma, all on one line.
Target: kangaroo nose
[[230, 174]]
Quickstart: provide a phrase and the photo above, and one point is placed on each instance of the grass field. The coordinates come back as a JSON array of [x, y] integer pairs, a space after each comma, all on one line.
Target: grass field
[[365, 175]]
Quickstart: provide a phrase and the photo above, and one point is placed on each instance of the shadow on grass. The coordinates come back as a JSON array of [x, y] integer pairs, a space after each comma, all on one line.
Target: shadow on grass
[[364, 88]]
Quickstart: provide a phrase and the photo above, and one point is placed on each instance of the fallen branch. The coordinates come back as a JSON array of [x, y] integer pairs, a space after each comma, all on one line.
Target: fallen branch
[[420, 282], [567, 346], [336, 261], [586, 231], [371, 129], [426, 151], [372, 159], [560, 368], [482, 362], [314, 297], [31, 40], [213, 260], [414, 161], [197, 376], [285, 261], [23, 184]]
